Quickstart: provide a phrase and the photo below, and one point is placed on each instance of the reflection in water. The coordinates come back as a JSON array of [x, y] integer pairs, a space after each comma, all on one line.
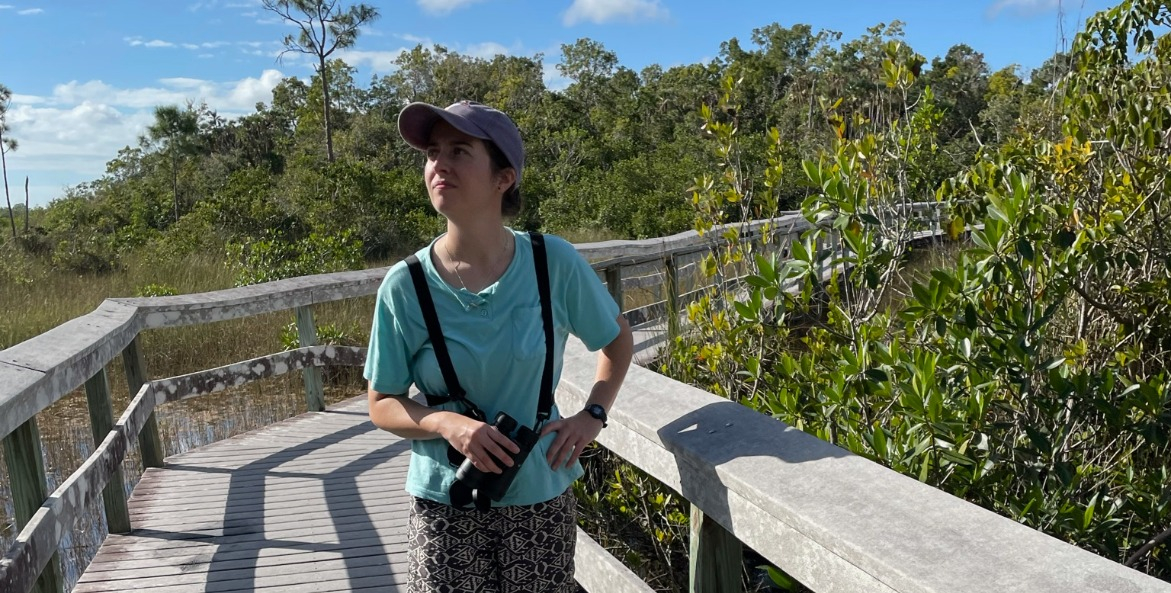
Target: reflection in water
[[66, 441]]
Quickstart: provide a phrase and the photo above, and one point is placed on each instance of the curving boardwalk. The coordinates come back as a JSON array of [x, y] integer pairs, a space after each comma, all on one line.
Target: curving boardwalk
[[314, 503]]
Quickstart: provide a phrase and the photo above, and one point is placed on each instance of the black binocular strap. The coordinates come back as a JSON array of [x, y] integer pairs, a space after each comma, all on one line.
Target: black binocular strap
[[454, 389], [541, 263]]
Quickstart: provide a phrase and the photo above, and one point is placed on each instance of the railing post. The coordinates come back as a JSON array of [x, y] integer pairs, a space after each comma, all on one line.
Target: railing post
[[150, 446], [101, 420], [717, 557], [614, 284], [307, 334], [26, 475], [672, 275]]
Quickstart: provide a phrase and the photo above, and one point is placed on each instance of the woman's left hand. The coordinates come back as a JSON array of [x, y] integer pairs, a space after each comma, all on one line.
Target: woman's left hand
[[573, 435]]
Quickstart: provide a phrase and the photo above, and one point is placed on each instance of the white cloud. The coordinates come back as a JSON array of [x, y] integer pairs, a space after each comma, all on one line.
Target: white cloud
[[18, 99], [29, 11], [378, 61], [1022, 7], [139, 42], [486, 50], [606, 11], [67, 137], [441, 7], [6, 7], [553, 79]]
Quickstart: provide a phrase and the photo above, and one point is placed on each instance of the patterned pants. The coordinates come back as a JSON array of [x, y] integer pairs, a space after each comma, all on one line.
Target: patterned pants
[[525, 549]]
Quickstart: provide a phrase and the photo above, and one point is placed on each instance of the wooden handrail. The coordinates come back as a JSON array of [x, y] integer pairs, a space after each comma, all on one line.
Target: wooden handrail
[[36, 373]]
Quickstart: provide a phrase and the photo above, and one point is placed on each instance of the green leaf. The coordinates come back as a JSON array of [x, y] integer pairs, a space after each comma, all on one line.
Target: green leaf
[[970, 318], [876, 374], [1054, 363], [709, 265], [955, 228], [879, 442], [813, 172], [781, 580], [1025, 248], [746, 311], [997, 213]]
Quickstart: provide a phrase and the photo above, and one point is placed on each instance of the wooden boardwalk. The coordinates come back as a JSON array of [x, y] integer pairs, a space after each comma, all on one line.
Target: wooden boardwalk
[[314, 503]]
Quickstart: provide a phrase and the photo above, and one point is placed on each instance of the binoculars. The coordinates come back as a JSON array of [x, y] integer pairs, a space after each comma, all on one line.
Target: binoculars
[[473, 485]]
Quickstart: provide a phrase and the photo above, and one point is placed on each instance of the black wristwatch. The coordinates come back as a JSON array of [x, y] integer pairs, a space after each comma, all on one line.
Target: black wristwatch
[[597, 411]]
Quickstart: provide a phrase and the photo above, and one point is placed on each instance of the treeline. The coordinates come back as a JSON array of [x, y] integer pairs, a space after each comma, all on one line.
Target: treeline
[[611, 155]]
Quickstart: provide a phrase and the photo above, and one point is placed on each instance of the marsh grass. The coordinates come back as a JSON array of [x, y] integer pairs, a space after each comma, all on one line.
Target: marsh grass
[[35, 299]]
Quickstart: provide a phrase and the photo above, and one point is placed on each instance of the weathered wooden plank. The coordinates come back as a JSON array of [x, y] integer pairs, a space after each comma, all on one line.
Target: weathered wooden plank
[[323, 584], [599, 571], [150, 446], [65, 357], [269, 534], [716, 556], [796, 500], [274, 487], [241, 373], [115, 552], [101, 422], [26, 474], [269, 297], [307, 334], [672, 299]]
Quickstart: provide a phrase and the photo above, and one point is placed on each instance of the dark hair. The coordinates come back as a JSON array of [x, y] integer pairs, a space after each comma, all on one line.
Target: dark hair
[[512, 202]]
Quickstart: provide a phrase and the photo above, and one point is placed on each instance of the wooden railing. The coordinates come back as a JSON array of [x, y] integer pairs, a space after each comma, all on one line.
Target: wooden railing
[[835, 521]]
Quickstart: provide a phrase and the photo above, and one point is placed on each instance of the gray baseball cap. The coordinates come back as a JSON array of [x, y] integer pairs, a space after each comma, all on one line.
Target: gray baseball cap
[[474, 119]]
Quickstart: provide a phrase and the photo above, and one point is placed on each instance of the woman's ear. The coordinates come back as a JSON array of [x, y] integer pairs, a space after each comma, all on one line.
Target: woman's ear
[[507, 177]]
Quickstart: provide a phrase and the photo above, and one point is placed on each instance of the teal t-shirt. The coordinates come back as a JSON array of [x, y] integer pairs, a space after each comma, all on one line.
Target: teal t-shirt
[[497, 345]]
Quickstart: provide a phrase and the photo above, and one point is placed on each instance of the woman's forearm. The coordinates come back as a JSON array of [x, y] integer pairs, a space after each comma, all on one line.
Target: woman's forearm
[[406, 418], [613, 362]]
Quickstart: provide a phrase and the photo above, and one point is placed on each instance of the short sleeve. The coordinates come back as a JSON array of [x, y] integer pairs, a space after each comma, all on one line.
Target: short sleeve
[[591, 311], [387, 358]]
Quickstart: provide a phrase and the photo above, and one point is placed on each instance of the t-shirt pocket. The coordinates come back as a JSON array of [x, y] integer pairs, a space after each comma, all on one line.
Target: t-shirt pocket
[[528, 333]]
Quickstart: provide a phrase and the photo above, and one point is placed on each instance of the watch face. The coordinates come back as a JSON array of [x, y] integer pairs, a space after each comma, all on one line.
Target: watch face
[[597, 411]]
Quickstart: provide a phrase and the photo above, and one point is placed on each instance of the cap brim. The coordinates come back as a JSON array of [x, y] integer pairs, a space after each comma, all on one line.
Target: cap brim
[[416, 120]]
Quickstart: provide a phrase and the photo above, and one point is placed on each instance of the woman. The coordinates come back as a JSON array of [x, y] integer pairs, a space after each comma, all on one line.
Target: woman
[[482, 280]]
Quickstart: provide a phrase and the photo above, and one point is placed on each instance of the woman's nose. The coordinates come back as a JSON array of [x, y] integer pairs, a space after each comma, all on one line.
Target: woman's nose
[[441, 161]]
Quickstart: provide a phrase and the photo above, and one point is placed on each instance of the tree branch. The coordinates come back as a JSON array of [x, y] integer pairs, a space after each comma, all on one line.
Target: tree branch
[[1158, 539]]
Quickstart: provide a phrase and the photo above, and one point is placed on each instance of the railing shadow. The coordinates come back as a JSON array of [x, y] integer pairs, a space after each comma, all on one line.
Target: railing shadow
[[360, 547], [725, 434]]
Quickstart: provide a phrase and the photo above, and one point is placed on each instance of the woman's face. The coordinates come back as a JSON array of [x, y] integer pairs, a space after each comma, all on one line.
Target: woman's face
[[459, 173]]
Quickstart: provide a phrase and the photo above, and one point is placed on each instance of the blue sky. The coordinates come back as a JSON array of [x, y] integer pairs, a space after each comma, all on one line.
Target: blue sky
[[86, 76]]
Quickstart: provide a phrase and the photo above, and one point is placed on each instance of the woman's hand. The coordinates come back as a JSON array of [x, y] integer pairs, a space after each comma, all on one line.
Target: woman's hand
[[479, 442], [573, 435]]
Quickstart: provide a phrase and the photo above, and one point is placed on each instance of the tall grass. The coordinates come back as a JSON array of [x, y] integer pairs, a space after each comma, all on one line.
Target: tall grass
[[35, 299]]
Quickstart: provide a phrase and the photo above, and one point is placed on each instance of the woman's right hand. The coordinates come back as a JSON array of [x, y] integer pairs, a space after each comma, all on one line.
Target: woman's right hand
[[480, 442]]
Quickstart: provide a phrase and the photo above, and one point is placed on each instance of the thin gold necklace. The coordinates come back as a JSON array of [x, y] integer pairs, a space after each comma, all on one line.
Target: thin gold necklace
[[455, 262]]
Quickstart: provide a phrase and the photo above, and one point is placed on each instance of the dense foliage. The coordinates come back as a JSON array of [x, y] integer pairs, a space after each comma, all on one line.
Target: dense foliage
[[1029, 374], [608, 156]]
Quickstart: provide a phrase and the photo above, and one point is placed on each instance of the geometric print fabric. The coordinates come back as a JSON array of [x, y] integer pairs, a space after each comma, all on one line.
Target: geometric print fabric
[[512, 549]]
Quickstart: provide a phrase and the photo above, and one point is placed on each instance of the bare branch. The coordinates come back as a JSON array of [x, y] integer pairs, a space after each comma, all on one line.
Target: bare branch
[[1158, 539]]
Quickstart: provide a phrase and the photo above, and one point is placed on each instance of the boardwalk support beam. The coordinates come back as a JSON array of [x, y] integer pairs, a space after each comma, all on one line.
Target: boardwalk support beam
[[150, 446], [101, 421], [614, 284], [672, 274], [307, 334], [716, 556], [26, 473]]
